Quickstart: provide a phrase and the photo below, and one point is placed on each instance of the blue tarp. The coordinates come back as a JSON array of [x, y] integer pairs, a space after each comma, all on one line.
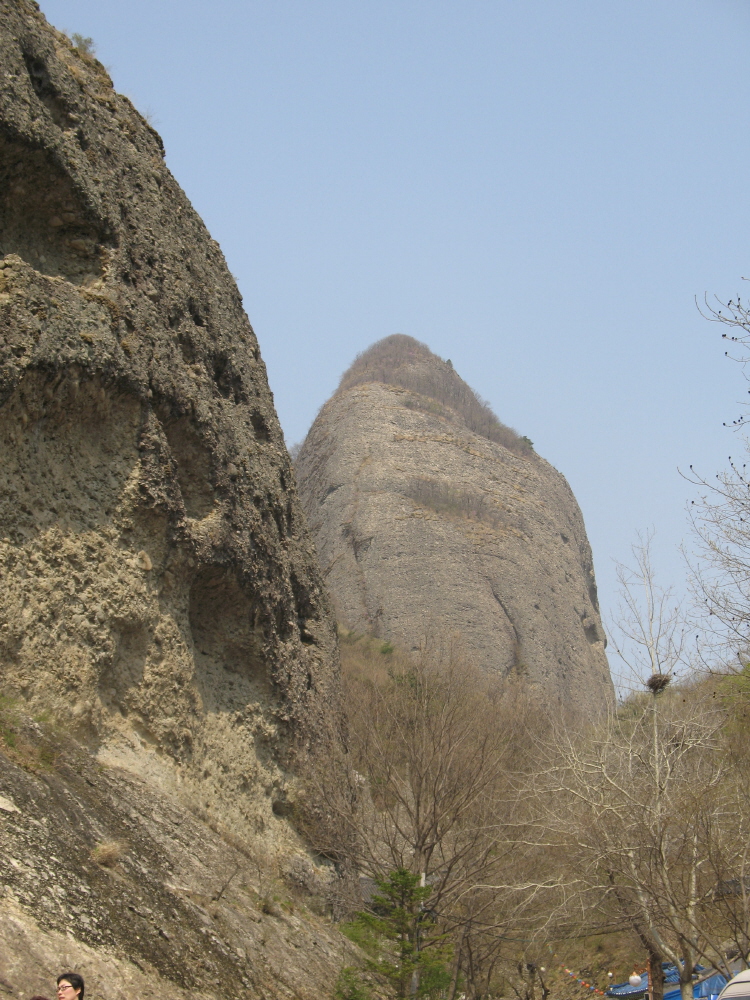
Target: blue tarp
[[708, 987], [671, 975]]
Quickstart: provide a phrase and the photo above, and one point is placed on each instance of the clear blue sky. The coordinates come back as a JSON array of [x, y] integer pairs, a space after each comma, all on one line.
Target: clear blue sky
[[538, 190]]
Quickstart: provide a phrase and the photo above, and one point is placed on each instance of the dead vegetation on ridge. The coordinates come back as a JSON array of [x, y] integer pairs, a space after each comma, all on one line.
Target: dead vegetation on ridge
[[436, 388]]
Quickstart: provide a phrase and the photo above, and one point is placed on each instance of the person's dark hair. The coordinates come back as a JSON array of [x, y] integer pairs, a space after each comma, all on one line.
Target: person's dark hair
[[75, 981]]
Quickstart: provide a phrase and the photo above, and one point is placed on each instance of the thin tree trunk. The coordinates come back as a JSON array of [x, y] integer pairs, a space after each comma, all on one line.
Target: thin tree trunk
[[655, 958], [656, 977], [457, 964], [686, 989]]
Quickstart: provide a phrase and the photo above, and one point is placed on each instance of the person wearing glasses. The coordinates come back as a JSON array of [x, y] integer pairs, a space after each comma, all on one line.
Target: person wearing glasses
[[70, 986]]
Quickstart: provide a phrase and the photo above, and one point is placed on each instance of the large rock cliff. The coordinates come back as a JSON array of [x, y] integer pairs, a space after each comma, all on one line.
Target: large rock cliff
[[436, 523], [159, 594]]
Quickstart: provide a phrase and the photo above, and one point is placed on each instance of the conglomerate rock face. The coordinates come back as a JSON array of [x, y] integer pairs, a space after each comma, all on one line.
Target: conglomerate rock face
[[434, 523], [158, 589]]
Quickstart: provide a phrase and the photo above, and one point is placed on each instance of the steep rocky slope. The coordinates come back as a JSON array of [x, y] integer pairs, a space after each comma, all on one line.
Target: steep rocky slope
[[159, 593], [104, 872], [434, 523]]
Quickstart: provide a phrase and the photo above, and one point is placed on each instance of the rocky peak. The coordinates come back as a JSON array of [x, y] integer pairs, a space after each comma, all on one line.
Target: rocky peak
[[402, 361], [436, 524]]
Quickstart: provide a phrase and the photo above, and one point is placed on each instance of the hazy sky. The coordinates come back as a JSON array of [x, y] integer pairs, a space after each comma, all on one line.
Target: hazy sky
[[538, 190]]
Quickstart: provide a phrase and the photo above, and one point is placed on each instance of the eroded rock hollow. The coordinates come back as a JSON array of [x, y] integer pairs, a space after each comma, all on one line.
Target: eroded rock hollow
[[436, 525]]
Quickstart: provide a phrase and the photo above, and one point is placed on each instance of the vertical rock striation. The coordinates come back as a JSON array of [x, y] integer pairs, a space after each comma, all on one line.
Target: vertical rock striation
[[156, 576], [433, 521]]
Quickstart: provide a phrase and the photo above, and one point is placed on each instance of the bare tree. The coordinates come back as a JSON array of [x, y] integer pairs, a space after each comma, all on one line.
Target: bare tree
[[642, 807], [429, 789], [721, 577], [721, 520], [637, 811], [648, 633]]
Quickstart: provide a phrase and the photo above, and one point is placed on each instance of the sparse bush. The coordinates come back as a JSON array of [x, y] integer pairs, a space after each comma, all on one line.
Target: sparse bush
[[8, 737], [349, 985], [446, 499], [47, 755], [269, 906], [108, 853], [23, 742], [82, 45], [7, 728]]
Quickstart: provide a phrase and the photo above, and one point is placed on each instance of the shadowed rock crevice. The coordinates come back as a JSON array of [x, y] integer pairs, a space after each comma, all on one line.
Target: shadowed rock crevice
[[306, 611], [593, 630], [228, 380], [593, 594], [46, 91], [226, 637], [193, 466], [260, 426], [120, 681], [42, 217]]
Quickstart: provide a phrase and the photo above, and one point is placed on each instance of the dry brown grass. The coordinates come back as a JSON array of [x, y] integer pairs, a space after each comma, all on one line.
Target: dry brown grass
[[32, 744], [436, 388], [108, 853]]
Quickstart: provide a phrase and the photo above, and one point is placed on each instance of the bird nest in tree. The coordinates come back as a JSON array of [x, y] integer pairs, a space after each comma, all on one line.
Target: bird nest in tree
[[657, 682]]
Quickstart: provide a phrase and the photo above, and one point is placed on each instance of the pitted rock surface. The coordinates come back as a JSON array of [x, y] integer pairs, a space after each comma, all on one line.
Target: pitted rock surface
[[156, 575], [430, 533]]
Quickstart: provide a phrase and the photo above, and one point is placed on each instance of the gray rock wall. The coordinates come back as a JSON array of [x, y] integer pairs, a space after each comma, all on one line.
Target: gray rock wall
[[157, 582], [430, 533]]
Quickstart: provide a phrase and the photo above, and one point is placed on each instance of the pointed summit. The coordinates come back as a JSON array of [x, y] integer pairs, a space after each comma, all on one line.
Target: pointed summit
[[402, 361], [435, 524]]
